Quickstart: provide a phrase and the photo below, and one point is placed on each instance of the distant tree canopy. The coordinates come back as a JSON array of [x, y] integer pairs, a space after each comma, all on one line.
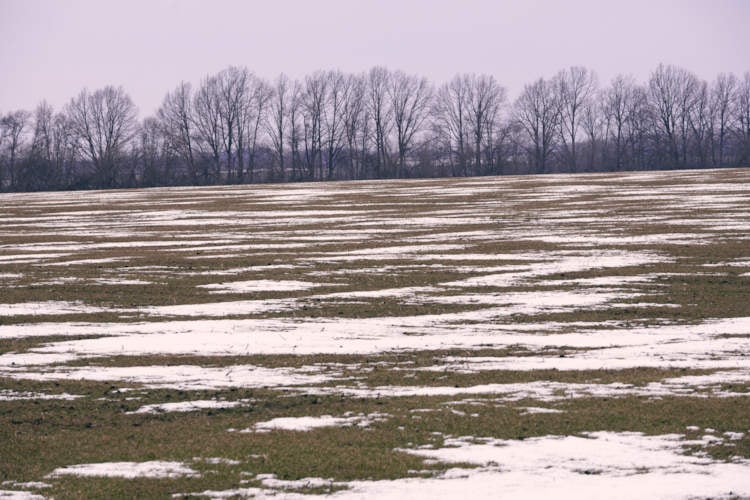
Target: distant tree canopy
[[235, 127]]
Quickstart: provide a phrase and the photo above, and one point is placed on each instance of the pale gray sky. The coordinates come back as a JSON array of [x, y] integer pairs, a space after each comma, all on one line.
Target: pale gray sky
[[52, 49]]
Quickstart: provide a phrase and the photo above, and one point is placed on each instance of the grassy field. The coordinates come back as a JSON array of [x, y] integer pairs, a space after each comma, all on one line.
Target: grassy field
[[522, 336]]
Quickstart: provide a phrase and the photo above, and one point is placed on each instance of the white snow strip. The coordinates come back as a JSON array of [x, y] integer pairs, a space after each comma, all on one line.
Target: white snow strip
[[11, 395], [216, 461], [382, 293], [303, 424], [29, 257], [254, 286], [27, 484], [564, 264], [272, 482], [129, 470], [19, 495], [103, 260], [661, 346], [48, 308], [188, 406], [219, 309], [190, 377], [384, 253], [535, 410], [546, 391], [238, 270]]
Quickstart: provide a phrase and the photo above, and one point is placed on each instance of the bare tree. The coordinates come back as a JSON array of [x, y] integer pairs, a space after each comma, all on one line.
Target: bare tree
[[277, 121], [451, 110], [742, 114], [722, 97], [672, 92], [177, 119], [314, 102], [13, 131], [484, 99], [575, 86], [295, 127], [410, 98], [689, 96], [378, 80], [104, 122], [253, 118], [208, 125], [36, 172], [337, 94], [618, 106], [701, 124], [537, 111], [64, 149], [664, 93], [41, 144], [153, 153], [640, 129], [355, 124], [595, 122], [232, 100]]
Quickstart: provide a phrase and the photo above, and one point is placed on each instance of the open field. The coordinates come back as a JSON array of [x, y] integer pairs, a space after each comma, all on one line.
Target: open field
[[535, 336]]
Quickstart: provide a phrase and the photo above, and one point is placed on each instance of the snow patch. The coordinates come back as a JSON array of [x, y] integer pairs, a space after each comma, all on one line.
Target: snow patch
[[303, 424], [129, 470], [187, 406], [255, 286]]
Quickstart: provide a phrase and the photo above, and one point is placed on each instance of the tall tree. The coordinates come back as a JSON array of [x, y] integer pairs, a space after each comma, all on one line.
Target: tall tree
[[641, 134], [277, 121], [253, 116], [722, 96], [451, 110], [701, 126], [38, 172], [104, 122], [355, 124], [484, 99], [537, 111], [232, 100], [410, 98], [178, 122], [576, 87], [618, 106], [153, 154], [314, 103], [378, 81], [595, 122], [337, 94], [64, 149], [742, 116], [295, 127], [672, 93], [208, 125], [12, 128]]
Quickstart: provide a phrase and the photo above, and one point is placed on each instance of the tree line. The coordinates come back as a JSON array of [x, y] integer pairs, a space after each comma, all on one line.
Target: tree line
[[236, 127]]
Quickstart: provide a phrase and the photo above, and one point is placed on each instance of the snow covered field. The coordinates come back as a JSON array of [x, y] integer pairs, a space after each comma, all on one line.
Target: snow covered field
[[517, 336]]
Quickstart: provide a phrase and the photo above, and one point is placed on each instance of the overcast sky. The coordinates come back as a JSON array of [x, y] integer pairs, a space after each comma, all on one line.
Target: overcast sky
[[52, 49]]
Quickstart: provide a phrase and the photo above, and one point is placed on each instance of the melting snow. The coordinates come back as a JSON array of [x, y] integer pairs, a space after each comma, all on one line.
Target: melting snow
[[309, 423], [189, 377], [187, 406], [260, 286], [129, 470], [11, 395]]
